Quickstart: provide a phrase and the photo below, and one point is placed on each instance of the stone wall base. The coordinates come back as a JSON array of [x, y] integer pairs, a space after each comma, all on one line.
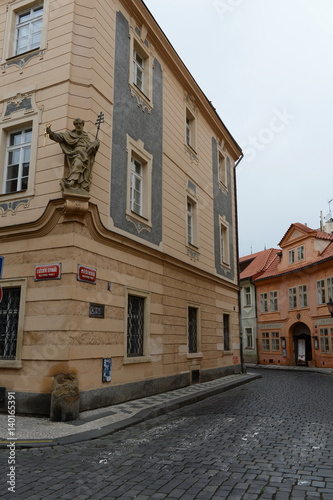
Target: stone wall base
[[39, 404]]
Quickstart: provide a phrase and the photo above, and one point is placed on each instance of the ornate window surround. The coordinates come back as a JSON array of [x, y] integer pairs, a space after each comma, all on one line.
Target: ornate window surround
[[19, 111], [140, 44], [8, 56], [136, 149]]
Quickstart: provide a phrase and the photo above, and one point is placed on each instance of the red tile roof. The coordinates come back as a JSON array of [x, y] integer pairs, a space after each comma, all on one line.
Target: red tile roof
[[265, 264], [297, 225], [258, 262], [273, 271]]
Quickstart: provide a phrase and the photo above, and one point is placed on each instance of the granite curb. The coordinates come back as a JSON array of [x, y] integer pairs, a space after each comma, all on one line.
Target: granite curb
[[153, 411], [304, 369]]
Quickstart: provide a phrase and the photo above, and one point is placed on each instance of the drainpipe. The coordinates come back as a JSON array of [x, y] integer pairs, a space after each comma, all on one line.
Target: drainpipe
[[238, 274]]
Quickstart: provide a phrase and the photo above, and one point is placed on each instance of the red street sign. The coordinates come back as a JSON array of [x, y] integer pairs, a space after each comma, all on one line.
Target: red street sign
[[48, 272], [87, 274]]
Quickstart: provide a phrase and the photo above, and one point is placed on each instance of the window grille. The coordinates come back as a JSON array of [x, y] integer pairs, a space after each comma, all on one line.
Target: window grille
[[135, 326], [226, 332], [9, 316], [192, 330]]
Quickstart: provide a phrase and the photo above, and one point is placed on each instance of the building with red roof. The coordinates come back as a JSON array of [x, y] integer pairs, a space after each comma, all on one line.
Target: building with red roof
[[292, 288], [251, 266]]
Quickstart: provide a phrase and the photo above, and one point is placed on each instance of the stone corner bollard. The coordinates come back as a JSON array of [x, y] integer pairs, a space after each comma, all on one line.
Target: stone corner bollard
[[65, 400]]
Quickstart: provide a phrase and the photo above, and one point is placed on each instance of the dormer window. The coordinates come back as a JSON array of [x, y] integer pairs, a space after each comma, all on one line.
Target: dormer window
[[300, 253], [296, 254], [291, 256]]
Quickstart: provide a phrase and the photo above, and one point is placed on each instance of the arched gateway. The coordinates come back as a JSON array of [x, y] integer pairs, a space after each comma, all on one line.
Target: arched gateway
[[302, 344]]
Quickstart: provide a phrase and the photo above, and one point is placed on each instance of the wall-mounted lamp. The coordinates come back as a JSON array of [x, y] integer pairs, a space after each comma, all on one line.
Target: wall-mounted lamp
[[283, 342], [315, 342], [330, 306]]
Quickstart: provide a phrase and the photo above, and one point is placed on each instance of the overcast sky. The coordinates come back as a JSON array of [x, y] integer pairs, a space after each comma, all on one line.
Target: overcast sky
[[267, 67]]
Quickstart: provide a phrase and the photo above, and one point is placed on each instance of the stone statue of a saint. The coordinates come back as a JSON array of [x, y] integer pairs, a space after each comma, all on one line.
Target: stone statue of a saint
[[80, 154]]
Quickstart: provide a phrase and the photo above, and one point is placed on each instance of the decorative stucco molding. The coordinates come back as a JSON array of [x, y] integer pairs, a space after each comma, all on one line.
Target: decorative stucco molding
[[190, 103], [22, 104], [21, 62], [75, 208], [139, 226], [192, 254], [139, 101], [12, 206], [191, 154]]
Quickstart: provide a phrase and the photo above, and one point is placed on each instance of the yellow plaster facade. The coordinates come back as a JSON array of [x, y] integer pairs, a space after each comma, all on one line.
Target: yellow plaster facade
[[74, 71]]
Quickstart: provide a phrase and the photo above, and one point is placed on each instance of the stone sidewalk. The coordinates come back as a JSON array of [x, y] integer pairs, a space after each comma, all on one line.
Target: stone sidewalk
[[40, 431]]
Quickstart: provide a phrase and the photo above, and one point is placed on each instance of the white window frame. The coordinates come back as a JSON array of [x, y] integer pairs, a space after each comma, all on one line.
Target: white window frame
[[275, 341], [136, 186], [265, 342], [146, 296], [324, 341], [300, 252], [22, 284], [247, 296], [291, 256], [136, 152], [274, 301], [330, 288], [13, 10], [249, 338], [223, 169], [29, 24], [264, 302], [192, 232], [292, 297], [224, 242], [303, 295], [145, 89], [270, 341], [138, 70], [8, 126], [20, 148], [321, 292], [190, 129]]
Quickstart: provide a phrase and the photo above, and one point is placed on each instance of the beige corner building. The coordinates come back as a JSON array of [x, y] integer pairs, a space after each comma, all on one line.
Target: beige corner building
[[119, 256]]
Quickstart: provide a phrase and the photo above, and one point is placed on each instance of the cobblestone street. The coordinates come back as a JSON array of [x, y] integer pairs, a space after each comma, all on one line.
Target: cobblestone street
[[269, 439]]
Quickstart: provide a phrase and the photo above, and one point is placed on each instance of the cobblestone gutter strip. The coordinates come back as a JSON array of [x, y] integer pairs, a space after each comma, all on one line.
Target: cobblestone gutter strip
[[148, 413]]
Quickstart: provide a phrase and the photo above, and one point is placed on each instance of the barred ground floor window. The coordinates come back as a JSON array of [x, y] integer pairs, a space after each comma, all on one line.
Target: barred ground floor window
[[192, 329], [11, 323], [135, 326]]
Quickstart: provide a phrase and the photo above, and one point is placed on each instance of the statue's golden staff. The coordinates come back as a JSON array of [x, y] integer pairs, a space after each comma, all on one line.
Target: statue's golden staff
[[45, 132]]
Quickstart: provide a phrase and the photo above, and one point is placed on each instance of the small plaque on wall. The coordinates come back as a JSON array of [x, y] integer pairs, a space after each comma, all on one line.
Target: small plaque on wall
[[96, 310], [48, 272], [107, 367], [87, 274]]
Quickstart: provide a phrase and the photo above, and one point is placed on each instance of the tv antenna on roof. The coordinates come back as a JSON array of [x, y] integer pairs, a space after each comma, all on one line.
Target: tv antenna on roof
[[329, 215]]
